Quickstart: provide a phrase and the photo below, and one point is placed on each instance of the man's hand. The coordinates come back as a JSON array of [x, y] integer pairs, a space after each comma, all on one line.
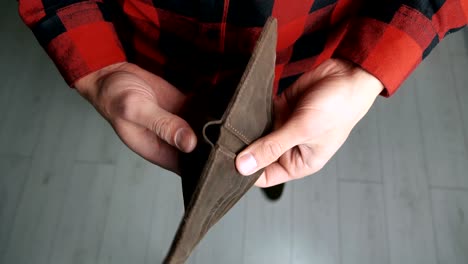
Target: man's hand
[[312, 120], [142, 108]]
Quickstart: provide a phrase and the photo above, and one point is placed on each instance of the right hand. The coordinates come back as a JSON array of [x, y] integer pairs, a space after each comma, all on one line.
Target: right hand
[[142, 108]]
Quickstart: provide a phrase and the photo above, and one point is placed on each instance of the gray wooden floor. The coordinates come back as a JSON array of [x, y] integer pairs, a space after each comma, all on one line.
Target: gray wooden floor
[[70, 192]]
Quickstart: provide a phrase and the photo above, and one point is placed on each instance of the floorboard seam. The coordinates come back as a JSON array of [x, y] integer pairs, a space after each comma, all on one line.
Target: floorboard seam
[[347, 180], [425, 169], [448, 188]]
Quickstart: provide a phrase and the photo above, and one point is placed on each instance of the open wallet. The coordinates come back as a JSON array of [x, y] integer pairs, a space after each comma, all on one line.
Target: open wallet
[[210, 182]]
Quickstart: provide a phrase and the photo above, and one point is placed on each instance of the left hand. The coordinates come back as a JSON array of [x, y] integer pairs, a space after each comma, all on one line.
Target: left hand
[[312, 119]]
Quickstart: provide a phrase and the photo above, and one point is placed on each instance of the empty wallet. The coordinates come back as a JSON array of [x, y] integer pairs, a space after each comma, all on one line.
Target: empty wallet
[[210, 182]]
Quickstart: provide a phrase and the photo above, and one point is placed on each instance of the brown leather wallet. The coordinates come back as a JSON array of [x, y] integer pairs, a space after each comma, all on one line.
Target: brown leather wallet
[[211, 184]]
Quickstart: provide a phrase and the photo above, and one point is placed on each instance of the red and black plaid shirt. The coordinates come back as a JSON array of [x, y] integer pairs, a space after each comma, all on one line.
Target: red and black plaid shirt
[[207, 43]]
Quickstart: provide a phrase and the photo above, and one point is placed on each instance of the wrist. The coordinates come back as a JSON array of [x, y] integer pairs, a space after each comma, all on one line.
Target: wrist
[[88, 85], [362, 87], [369, 83], [366, 82], [365, 90]]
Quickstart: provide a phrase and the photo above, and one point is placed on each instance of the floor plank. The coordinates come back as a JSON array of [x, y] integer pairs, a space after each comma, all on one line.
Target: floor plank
[[458, 67], [167, 210], [457, 43], [5, 97], [27, 76], [315, 218], [359, 158], [411, 238], [441, 120], [362, 224], [268, 231], [82, 222], [47, 185], [26, 98], [451, 226], [13, 175], [224, 243], [99, 142], [127, 234]]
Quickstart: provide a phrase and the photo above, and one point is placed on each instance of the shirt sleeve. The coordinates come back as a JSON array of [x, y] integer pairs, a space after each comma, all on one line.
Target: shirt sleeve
[[389, 38], [78, 36]]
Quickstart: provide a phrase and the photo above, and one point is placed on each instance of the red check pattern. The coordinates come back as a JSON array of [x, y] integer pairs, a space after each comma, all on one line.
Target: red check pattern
[[206, 44]]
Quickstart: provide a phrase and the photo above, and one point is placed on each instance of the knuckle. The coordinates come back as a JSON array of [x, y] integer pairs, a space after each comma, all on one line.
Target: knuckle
[[162, 127], [310, 166], [272, 149], [312, 158], [126, 106], [315, 165]]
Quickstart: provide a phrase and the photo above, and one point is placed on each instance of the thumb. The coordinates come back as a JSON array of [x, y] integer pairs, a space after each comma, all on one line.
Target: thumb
[[167, 126], [266, 150]]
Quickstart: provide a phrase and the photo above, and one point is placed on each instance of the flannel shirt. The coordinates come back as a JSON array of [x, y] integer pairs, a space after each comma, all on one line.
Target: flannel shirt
[[207, 43]]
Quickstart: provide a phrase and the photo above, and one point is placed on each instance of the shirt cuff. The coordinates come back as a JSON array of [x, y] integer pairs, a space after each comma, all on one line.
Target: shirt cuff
[[80, 39], [389, 51]]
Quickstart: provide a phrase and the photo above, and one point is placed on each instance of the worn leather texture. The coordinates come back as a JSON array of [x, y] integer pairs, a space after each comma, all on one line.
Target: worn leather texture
[[211, 184]]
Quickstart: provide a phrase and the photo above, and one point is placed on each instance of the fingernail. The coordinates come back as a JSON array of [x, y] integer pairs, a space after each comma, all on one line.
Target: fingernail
[[247, 164], [183, 139]]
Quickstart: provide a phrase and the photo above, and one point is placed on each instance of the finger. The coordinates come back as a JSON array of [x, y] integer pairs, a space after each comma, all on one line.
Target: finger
[[290, 166], [169, 127], [147, 145], [277, 173], [268, 149], [273, 175], [261, 181], [162, 89]]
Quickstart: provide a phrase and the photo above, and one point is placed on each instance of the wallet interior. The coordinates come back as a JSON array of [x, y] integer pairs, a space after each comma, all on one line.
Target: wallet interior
[[225, 122]]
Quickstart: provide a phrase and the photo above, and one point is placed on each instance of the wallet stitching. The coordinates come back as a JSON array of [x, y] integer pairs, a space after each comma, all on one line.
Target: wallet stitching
[[238, 133], [226, 152], [241, 92]]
